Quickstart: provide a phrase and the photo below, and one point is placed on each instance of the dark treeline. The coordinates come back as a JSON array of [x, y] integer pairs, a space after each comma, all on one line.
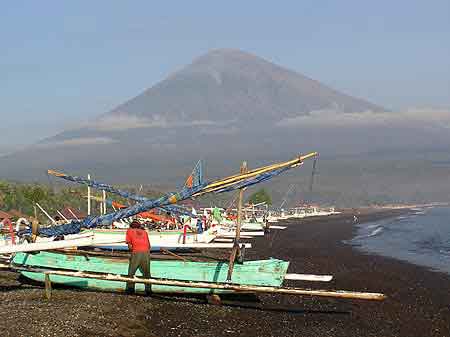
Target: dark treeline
[[22, 197]]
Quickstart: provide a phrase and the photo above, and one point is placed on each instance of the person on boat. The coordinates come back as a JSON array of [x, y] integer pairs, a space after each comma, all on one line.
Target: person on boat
[[199, 224], [217, 216], [139, 246]]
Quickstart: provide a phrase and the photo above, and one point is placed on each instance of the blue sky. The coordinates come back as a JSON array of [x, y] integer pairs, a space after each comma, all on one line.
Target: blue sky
[[63, 62]]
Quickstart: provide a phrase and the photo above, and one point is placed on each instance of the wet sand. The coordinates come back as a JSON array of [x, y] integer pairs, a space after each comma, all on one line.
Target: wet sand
[[418, 301]]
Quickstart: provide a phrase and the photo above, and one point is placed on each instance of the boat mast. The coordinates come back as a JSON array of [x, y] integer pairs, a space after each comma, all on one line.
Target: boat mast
[[235, 248], [89, 197], [313, 174], [104, 202], [287, 195]]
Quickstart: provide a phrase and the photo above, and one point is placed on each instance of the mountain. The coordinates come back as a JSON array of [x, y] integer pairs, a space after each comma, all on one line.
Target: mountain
[[224, 107], [230, 85]]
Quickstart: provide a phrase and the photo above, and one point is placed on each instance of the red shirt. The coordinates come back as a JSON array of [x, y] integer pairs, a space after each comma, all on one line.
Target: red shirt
[[138, 239]]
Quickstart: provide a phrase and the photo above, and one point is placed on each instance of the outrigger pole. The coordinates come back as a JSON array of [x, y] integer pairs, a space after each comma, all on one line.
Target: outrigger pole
[[208, 285]]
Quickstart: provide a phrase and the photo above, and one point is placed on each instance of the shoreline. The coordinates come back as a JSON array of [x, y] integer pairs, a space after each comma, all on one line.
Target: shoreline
[[406, 211], [417, 304]]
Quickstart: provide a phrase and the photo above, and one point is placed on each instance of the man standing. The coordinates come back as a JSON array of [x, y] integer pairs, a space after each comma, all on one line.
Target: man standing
[[139, 246]]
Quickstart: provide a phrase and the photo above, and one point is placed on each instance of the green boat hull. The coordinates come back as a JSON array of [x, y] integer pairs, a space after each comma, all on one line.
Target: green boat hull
[[261, 272]]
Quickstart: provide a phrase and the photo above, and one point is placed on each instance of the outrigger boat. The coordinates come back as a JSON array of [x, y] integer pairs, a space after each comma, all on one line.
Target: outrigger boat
[[262, 272], [211, 278]]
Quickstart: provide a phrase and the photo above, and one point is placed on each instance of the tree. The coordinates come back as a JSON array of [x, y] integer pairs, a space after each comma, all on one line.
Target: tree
[[260, 196], [34, 194]]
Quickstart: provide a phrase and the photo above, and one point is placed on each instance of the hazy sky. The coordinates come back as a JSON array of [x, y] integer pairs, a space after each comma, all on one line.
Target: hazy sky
[[63, 62]]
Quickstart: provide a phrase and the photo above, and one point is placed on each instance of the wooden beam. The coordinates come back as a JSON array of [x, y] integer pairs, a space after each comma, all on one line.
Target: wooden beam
[[48, 286]]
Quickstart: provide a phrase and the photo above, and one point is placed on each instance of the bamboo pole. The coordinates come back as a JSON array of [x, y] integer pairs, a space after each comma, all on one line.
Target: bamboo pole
[[104, 201], [219, 184], [73, 214], [62, 215], [235, 249], [209, 285], [241, 197], [89, 197], [168, 252], [48, 215]]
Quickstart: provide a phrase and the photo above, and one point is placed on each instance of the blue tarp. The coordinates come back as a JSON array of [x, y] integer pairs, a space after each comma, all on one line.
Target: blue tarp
[[146, 204]]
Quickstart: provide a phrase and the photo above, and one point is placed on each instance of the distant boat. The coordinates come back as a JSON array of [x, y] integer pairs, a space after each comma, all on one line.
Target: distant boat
[[163, 238]]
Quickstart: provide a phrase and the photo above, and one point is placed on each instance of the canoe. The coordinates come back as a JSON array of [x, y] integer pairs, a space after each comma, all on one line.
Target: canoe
[[269, 272], [164, 239]]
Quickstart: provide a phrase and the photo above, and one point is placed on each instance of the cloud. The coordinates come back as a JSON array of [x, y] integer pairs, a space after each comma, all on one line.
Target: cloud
[[424, 117], [77, 142], [126, 122], [219, 130], [123, 122]]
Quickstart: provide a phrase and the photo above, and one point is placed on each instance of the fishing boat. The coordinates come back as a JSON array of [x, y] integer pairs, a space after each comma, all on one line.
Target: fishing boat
[[269, 272], [245, 225], [158, 239]]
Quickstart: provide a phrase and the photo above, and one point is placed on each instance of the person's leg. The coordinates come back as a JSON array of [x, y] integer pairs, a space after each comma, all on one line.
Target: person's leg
[[132, 267], [145, 269]]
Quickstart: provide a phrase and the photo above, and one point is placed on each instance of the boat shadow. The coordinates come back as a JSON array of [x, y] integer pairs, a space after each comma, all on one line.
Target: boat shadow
[[246, 301], [283, 308], [10, 287]]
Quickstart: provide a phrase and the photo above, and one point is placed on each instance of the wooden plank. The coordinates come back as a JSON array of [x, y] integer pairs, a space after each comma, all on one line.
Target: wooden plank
[[308, 277]]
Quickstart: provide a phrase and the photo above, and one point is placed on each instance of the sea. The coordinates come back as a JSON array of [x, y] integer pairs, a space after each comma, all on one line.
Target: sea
[[421, 237]]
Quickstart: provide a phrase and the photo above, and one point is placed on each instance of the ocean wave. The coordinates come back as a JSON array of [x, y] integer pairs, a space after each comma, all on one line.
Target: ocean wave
[[434, 244], [378, 229], [404, 218], [445, 252]]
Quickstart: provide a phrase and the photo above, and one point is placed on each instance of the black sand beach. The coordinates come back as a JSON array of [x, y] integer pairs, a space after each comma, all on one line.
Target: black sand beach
[[418, 301]]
